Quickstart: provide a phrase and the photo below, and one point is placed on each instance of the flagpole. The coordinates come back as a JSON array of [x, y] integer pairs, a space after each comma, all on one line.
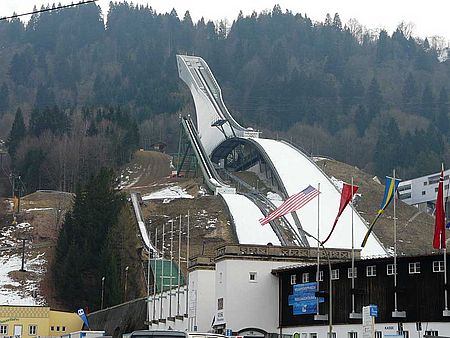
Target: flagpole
[[154, 275], [171, 269], [396, 313], [148, 284], [395, 249], [162, 276], [187, 271], [353, 258], [318, 247], [179, 269], [446, 312]]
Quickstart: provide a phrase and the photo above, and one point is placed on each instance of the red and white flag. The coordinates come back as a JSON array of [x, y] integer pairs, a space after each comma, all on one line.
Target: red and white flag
[[439, 224], [346, 196], [293, 203]]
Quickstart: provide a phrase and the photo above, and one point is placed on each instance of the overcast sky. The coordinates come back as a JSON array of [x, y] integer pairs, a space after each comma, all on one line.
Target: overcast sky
[[430, 17]]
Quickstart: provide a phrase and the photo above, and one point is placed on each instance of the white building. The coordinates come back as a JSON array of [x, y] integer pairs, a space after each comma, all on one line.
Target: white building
[[234, 291], [421, 192]]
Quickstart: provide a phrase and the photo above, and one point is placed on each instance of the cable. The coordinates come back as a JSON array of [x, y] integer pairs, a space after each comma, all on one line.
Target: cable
[[48, 9]]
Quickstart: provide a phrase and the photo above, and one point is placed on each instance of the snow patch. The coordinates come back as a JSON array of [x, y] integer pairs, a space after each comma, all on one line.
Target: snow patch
[[167, 194], [25, 290], [38, 209], [274, 196]]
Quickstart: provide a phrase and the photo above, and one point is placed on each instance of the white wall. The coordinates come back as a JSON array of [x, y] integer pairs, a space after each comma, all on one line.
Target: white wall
[[201, 299], [342, 331], [200, 307], [247, 304]]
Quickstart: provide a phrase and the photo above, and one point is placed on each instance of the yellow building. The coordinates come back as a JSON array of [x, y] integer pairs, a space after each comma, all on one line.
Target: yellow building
[[36, 321]]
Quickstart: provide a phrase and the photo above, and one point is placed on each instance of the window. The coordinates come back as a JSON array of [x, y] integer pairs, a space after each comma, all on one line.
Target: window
[[405, 196], [320, 276], [435, 189], [52, 328], [423, 192], [220, 277], [438, 266], [446, 187], [334, 274], [405, 334], [371, 271], [252, 277], [414, 268], [304, 335], [353, 335], [32, 329], [64, 328], [350, 275], [293, 279], [305, 277], [333, 334], [432, 333], [313, 335], [378, 334], [390, 269], [425, 183], [57, 328], [4, 329], [219, 305]]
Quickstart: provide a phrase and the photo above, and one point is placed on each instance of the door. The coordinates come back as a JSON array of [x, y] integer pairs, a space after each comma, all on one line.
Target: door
[[17, 331]]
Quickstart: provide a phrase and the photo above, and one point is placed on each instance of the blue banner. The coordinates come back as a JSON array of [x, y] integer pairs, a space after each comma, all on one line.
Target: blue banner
[[83, 317], [303, 300]]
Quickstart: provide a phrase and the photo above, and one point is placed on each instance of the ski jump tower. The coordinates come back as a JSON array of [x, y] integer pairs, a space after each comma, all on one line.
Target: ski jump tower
[[217, 134]]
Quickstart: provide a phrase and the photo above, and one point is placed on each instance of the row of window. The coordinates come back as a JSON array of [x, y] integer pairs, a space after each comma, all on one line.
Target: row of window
[[371, 271], [32, 329], [378, 334], [435, 189]]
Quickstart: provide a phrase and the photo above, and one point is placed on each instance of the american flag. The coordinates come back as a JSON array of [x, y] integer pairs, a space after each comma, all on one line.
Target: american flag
[[293, 203]]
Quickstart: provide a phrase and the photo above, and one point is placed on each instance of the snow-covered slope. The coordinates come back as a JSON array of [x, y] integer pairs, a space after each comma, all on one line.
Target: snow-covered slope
[[16, 287], [297, 171], [245, 215]]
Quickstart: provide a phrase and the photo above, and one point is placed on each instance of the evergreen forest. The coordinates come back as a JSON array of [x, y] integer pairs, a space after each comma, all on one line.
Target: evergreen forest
[[80, 90]]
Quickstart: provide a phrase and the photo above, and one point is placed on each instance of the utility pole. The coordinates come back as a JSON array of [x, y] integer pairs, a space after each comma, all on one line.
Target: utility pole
[[126, 281], [103, 290], [22, 269]]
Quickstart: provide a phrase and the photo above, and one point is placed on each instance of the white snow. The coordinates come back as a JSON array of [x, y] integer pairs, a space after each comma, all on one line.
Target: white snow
[[38, 209], [20, 292], [274, 197], [168, 193], [125, 181], [246, 216], [297, 172]]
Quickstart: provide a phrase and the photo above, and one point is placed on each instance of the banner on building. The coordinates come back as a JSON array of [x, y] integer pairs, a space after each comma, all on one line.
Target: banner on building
[[303, 299]]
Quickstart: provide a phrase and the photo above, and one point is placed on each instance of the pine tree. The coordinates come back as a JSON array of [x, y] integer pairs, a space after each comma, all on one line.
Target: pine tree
[[441, 119], [374, 99], [83, 248], [427, 102], [17, 134], [4, 99], [409, 94]]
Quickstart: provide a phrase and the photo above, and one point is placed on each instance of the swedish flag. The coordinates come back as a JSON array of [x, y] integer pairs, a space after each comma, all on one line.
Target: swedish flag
[[389, 192]]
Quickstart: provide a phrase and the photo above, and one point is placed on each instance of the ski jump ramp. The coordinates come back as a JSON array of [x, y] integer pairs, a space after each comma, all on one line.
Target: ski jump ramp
[[291, 168]]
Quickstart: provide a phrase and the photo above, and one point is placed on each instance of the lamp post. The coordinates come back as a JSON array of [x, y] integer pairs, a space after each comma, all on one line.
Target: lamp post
[[103, 288], [126, 280], [330, 310]]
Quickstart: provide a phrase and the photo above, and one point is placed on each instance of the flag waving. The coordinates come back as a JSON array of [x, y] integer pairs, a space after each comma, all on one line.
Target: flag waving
[[346, 196], [293, 203], [439, 223], [389, 192]]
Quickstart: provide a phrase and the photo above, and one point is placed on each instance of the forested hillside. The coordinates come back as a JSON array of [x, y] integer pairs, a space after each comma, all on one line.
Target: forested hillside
[[80, 88]]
